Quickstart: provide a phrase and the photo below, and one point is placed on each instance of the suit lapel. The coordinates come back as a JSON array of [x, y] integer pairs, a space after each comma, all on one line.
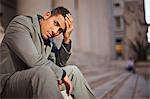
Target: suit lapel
[[39, 45], [44, 50], [48, 51]]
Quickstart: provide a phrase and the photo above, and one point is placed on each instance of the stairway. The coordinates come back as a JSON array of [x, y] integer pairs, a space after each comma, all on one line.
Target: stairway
[[112, 81], [116, 83]]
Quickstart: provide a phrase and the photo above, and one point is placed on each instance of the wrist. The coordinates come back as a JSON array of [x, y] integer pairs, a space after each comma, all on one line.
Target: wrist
[[59, 82], [67, 40], [64, 74]]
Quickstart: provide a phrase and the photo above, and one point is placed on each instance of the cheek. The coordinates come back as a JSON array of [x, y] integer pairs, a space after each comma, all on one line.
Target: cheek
[[46, 28], [44, 31]]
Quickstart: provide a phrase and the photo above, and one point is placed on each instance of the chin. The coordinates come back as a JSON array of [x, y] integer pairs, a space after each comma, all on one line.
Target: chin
[[45, 37]]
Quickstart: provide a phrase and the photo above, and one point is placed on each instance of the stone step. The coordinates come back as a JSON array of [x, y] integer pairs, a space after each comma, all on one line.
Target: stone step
[[65, 95], [92, 72], [142, 88], [101, 79], [149, 87], [128, 89], [96, 71], [106, 88]]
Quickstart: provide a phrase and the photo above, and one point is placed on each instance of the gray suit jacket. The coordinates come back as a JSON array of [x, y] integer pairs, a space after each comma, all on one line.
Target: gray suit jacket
[[23, 48]]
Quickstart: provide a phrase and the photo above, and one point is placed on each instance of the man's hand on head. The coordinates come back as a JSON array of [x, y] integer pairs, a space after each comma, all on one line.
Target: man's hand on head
[[69, 28]]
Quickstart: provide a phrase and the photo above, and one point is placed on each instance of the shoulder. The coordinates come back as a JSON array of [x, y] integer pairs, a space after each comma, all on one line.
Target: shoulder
[[23, 20], [20, 22]]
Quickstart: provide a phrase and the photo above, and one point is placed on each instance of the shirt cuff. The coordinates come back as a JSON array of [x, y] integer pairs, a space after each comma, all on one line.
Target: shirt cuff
[[64, 74], [67, 46]]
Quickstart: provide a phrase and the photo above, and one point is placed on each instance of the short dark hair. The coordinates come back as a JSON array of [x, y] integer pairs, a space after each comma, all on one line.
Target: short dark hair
[[60, 10]]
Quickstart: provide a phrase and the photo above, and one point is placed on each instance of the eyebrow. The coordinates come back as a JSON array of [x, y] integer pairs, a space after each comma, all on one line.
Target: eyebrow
[[63, 30], [61, 27]]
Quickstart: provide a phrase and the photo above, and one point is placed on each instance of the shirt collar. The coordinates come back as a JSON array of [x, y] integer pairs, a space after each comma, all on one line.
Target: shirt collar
[[37, 24]]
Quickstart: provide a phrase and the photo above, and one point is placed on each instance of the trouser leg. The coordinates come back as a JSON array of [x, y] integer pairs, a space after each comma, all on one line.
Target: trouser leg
[[81, 89], [38, 82]]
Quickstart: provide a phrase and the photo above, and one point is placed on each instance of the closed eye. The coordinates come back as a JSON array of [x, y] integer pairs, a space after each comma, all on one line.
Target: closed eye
[[56, 23], [60, 30]]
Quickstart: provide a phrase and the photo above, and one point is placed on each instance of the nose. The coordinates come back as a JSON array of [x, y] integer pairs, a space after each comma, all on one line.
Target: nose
[[55, 30]]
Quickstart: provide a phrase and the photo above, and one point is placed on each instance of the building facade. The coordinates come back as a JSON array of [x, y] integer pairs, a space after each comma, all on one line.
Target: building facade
[[100, 31]]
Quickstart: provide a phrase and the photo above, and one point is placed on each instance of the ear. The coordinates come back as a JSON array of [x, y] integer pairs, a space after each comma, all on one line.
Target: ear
[[47, 15]]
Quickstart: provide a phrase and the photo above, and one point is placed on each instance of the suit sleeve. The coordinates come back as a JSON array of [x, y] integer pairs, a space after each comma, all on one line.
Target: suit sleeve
[[20, 42], [62, 54]]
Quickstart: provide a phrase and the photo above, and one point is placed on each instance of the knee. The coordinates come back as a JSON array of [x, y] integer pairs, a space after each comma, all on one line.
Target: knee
[[44, 81], [76, 73], [75, 68]]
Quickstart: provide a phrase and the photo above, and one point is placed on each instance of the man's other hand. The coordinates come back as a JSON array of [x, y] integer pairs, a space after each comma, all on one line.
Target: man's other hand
[[67, 84]]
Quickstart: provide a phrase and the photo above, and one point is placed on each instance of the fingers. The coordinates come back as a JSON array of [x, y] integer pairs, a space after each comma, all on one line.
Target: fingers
[[70, 91], [60, 85], [69, 88], [69, 25], [69, 28], [68, 85], [69, 20]]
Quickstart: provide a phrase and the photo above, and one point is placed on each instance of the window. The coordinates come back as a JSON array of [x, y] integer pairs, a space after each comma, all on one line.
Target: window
[[119, 26], [119, 48], [147, 11], [118, 40], [117, 4], [118, 21]]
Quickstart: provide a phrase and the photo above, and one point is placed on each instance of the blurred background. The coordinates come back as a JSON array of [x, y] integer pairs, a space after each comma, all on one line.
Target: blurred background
[[106, 33]]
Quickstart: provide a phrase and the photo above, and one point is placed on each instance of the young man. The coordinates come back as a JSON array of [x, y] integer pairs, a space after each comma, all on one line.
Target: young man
[[31, 66], [130, 65]]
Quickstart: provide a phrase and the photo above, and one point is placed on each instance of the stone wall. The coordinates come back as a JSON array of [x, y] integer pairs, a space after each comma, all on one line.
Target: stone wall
[[135, 24]]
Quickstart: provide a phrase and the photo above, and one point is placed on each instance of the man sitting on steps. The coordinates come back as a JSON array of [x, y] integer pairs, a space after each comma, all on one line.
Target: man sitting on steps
[[31, 66]]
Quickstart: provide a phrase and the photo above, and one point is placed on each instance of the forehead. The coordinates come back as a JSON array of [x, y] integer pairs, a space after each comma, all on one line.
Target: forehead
[[60, 19]]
